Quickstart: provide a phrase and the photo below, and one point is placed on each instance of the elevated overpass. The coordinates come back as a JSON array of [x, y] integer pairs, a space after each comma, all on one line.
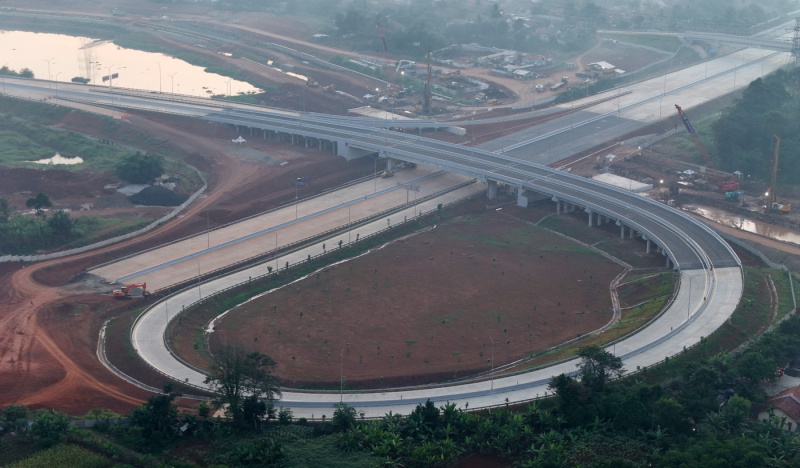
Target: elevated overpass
[[686, 244]]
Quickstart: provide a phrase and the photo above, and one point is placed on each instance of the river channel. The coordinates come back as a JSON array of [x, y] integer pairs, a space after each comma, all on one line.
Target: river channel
[[771, 231]]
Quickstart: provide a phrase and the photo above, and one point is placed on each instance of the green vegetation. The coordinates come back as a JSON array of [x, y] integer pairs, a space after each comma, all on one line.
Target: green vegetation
[[25, 72], [64, 456], [743, 135], [28, 138], [27, 134], [140, 168]]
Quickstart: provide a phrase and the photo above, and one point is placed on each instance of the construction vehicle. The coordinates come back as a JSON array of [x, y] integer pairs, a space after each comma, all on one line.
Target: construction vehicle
[[131, 290], [772, 193], [725, 185], [311, 83], [386, 174], [331, 88]]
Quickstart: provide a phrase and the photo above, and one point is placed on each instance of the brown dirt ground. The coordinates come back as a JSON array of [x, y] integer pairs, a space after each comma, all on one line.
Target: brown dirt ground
[[47, 359], [423, 309]]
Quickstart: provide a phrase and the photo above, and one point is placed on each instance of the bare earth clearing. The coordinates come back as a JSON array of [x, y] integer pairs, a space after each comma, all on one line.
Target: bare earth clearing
[[426, 308]]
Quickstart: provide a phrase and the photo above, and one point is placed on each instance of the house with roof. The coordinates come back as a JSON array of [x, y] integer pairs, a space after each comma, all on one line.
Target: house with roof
[[785, 405], [603, 69]]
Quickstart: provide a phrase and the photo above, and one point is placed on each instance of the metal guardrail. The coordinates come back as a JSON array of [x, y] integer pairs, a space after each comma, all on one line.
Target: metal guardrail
[[217, 293], [294, 246]]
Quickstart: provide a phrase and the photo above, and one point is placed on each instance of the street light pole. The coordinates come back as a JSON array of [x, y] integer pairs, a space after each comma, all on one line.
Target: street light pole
[[57, 84], [159, 76], [492, 371], [341, 376], [48, 66], [172, 82]]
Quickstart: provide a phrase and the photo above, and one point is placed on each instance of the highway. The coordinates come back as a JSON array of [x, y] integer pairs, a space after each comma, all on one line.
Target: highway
[[691, 247]]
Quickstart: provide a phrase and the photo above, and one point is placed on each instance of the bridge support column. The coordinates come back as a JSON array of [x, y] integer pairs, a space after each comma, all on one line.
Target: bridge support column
[[591, 215], [633, 233], [622, 231], [491, 189], [668, 263], [648, 246], [558, 205], [389, 164]]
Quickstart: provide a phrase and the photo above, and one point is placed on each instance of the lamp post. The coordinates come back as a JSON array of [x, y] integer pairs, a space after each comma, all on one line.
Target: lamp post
[[159, 75], [48, 66], [492, 371], [375, 172], [295, 200], [172, 82], [57, 84], [199, 290], [341, 376], [689, 304]]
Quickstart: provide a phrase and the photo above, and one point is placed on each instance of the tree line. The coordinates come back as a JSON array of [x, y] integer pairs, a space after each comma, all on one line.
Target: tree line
[[703, 418], [743, 135]]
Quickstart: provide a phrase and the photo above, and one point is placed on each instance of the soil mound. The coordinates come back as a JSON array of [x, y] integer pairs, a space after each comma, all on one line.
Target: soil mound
[[157, 196]]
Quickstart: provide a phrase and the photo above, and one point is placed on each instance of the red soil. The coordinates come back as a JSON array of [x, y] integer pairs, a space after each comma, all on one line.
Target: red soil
[[423, 308]]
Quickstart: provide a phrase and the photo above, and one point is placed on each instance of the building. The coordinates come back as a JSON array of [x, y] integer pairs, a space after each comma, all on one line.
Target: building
[[603, 69], [785, 405]]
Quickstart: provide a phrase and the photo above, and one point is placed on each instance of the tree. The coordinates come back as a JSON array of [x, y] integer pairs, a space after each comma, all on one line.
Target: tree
[[6, 210], [37, 203], [236, 375], [60, 223], [756, 367], [157, 419], [140, 169], [344, 417], [50, 426], [16, 416], [597, 366]]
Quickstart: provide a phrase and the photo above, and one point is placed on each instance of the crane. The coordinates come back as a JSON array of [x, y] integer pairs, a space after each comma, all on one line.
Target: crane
[[773, 196], [729, 186], [394, 90]]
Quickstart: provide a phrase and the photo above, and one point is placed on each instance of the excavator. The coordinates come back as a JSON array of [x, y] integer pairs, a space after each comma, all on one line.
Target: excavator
[[131, 290], [729, 186]]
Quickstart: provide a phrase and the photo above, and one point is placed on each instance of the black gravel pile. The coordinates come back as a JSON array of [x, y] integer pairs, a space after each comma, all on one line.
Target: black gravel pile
[[157, 196]]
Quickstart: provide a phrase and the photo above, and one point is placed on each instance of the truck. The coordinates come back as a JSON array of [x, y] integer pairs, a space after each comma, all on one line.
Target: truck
[[556, 86]]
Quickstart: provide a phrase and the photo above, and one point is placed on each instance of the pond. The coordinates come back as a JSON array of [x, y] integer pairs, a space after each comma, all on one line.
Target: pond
[[60, 57]]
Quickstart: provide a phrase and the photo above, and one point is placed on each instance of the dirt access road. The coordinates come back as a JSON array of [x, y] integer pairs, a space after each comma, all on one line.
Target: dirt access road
[[49, 323]]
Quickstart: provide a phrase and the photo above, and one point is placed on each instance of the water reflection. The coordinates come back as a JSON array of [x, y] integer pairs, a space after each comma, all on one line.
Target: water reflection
[[733, 220], [61, 58]]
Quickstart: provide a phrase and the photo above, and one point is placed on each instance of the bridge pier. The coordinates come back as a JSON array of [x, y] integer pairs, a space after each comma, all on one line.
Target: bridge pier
[[591, 213], [648, 246], [491, 189]]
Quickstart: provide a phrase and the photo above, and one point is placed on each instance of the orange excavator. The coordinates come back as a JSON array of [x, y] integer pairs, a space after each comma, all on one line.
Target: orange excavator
[[131, 290]]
